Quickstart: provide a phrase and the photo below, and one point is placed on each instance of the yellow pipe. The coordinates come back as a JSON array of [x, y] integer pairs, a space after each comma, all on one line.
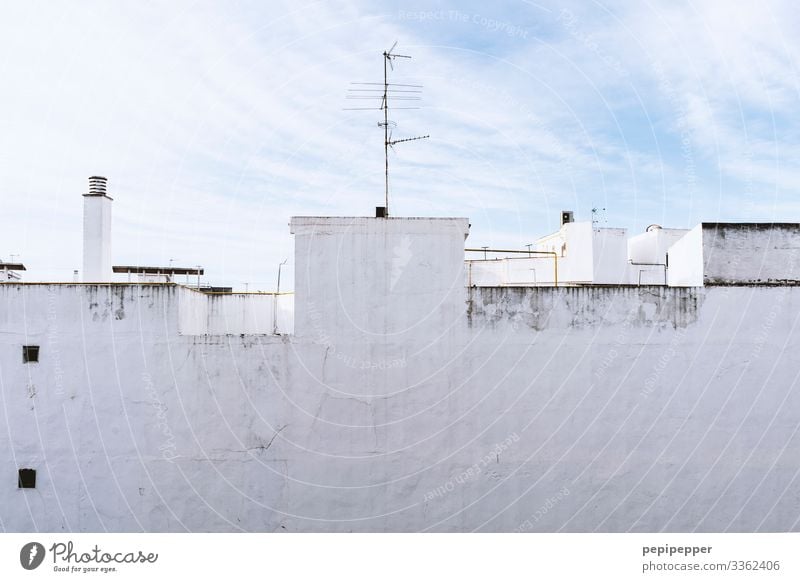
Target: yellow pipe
[[552, 253]]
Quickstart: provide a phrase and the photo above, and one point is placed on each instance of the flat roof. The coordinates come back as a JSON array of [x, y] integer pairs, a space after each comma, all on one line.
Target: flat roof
[[158, 270], [370, 225]]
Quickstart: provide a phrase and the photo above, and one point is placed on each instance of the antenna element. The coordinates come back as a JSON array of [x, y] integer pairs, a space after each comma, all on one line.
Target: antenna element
[[397, 92]]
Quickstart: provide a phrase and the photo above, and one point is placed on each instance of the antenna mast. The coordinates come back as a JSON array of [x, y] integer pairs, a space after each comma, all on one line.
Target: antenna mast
[[398, 92]]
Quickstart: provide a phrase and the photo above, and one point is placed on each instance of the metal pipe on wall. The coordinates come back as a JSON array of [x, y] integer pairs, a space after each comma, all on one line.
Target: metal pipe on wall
[[527, 252]]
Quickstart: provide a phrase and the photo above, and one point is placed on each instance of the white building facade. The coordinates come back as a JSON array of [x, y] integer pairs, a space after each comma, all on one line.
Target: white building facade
[[408, 399]]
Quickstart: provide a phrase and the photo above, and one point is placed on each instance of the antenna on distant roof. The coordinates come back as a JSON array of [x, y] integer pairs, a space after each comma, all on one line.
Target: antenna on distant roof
[[398, 92], [598, 215]]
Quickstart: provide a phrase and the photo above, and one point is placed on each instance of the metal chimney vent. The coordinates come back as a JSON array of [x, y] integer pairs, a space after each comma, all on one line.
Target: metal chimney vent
[[97, 186]]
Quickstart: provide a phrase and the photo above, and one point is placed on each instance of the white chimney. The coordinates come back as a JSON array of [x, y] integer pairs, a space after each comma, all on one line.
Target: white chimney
[[96, 232]]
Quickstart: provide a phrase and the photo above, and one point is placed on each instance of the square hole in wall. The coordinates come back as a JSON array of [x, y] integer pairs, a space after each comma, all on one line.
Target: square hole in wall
[[26, 479], [30, 354]]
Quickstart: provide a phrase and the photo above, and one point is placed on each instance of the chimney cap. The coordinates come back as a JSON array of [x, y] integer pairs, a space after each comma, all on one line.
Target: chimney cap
[[98, 187]]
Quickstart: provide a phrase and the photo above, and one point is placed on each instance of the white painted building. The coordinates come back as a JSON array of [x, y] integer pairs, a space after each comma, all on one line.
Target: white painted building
[[721, 253], [580, 253], [408, 399]]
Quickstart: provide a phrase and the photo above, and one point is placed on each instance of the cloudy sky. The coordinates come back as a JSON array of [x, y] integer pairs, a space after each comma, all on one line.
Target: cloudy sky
[[217, 121]]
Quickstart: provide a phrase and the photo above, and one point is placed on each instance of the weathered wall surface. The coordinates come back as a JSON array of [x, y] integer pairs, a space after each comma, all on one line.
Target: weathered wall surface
[[235, 313], [736, 254], [607, 409], [751, 253], [581, 307]]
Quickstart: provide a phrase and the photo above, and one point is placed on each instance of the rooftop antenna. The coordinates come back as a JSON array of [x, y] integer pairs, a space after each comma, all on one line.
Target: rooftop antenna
[[598, 215], [397, 92]]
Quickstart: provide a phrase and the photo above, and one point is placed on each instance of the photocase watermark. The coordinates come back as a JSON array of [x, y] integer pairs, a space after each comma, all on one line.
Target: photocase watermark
[[490, 24], [507, 102], [681, 124], [765, 331], [333, 165], [53, 349], [168, 448], [348, 360], [31, 555], [620, 340], [401, 256], [479, 468], [543, 510], [66, 559], [651, 382], [571, 24]]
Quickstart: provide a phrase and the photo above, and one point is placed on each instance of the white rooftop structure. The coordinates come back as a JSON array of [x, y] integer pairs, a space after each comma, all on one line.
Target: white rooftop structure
[[405, 389]]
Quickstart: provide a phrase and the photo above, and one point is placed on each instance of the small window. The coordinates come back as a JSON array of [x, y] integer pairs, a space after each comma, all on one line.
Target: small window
[[27, 479], [30, 354]]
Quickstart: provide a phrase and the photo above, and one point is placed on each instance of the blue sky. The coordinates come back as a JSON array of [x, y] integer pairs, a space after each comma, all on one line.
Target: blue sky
[[217, 121]]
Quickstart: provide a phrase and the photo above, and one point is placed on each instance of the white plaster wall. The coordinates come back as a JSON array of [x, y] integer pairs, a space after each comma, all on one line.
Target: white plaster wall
[[610, 256], [193, 313], [577, 264], [534, 270], [751, 253], [491, 272], [574, 245], [554, 242], [652, 246], [588, 254], [685, 259], [643, 248], [647, 255], [240, 313], [96, 239], [648, 275], [285, 304], [234, 313], [372, 277], [548, 409]]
